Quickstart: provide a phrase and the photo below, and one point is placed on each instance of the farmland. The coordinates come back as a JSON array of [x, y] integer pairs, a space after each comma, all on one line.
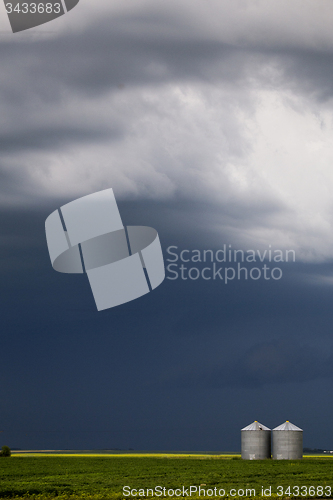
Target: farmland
[[91, 476]]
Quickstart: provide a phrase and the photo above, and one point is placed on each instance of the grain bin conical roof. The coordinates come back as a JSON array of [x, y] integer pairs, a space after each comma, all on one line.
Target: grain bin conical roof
[[287, 426], [256, 426]]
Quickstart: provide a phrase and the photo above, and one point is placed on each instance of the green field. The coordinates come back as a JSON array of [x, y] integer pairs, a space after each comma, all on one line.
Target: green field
[[102, 476]]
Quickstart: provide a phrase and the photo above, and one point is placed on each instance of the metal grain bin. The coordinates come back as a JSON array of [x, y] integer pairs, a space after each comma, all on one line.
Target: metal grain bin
[[256, 442], [287, 442]]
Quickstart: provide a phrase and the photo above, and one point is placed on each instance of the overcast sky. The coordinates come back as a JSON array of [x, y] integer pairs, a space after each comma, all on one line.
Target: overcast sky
[[212, 122]]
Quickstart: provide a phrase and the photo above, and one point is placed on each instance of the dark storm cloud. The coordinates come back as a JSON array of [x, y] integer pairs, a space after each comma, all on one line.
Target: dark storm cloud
[[167, 369], [311, 72], [304, 71], [51, 138], [150, 49], [266, 363], [12, 181], [104, 57], [138, 49], [279, 361], [147, 48], [282, 361], [192, 222], [147, 374]]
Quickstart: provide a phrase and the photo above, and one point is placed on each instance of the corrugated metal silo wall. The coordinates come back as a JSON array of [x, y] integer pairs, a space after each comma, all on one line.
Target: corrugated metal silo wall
[[287, 445], [256, 445]]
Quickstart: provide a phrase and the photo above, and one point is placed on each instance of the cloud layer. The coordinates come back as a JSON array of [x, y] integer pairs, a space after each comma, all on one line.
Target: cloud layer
[[224, 101]]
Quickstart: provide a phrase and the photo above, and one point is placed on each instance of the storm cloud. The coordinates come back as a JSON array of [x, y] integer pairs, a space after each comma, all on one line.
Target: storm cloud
[[212, 122]]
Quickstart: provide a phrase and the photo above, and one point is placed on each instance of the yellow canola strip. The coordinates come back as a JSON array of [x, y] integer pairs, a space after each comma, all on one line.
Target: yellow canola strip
[[120, 455], [141, 455]]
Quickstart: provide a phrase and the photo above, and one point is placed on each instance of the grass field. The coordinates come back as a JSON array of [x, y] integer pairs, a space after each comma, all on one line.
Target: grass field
[[101, 476]]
